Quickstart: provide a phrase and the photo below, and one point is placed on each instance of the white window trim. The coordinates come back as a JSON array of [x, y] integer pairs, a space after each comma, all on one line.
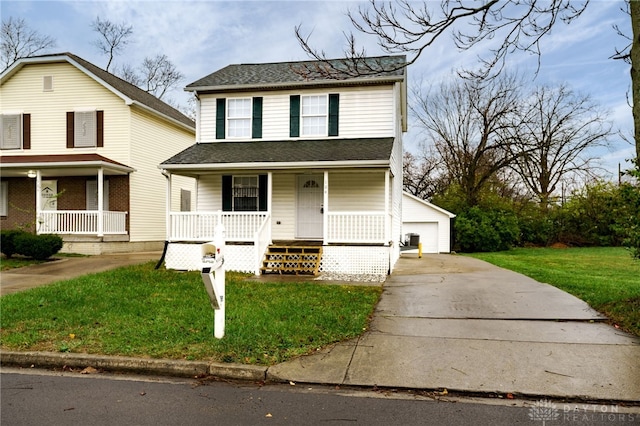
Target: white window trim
[[20, 130], [324, 115], [4, 198], [230, 119], [233, 186]]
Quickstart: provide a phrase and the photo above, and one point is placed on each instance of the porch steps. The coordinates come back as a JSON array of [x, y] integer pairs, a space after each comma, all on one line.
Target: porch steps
[[289, 259]]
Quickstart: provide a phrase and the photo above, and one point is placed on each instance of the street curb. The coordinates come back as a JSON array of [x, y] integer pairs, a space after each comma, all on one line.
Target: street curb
[[166, 367]]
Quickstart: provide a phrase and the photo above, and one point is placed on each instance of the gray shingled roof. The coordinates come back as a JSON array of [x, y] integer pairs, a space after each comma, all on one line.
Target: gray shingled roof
[[219, 153], [126, 88], [298, 73]]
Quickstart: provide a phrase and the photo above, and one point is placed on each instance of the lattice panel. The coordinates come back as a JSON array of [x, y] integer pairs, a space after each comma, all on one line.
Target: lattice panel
[[186, 257], [355, 260]]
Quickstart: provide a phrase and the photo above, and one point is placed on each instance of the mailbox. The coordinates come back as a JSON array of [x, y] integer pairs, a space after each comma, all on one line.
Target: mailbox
[[212, 271]]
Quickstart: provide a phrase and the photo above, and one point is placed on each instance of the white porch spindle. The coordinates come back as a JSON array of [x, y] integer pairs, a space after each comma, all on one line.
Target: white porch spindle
[[325, 206], [38, 200]]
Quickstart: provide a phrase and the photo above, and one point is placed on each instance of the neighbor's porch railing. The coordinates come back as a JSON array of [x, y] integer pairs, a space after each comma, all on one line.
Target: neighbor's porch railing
[[200, 226], [356, 227], [81, 222]]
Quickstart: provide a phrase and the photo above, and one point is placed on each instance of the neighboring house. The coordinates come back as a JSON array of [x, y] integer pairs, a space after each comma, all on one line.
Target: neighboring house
[[289, 157], [429, 224], [79, 151]]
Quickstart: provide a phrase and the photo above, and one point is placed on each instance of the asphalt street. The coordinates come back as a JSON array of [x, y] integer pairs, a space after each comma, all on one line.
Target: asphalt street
[[37, 397]]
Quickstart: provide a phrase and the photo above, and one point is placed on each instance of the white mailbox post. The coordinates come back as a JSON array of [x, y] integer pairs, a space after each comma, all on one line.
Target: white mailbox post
[[213, 277]]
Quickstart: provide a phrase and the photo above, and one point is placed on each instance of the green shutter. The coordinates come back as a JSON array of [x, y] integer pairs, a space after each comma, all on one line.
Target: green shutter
[[334, 106], [294, 116], [256, 119], [262, 193], [220, 117], [227, 193]]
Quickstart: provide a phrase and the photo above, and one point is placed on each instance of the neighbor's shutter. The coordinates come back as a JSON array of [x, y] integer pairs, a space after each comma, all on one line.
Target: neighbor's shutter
[[70, 131], [256, 119], [334, 106], [227, 193], [26, 131], [99, 129], [294, 116], [220, 117], [262, 193]]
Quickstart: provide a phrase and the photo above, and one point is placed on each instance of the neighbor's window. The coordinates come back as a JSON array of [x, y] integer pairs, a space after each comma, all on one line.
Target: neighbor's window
[[245, 193], [4, 198], [239, 118], [314, 115], [84, 129], [11, 131]]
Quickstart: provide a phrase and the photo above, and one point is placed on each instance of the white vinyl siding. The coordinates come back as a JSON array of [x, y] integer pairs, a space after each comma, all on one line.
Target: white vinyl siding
[[364, 112], [356, 191], [11, 131], [209, 193], [283, 207]]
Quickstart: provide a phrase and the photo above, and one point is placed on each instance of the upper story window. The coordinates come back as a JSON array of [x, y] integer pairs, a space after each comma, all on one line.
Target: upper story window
[[239, 118], [15, 131], [314, 115], [85, 129]]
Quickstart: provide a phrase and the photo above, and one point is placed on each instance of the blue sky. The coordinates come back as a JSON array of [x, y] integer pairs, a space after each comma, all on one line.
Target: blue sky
[[200, 37]]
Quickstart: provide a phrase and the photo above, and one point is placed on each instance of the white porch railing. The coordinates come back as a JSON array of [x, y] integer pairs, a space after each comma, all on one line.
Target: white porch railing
[[356, 227], [81, 222], [199, 226]]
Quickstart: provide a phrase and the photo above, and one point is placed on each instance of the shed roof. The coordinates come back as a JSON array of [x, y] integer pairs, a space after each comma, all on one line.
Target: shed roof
[[271, 153]]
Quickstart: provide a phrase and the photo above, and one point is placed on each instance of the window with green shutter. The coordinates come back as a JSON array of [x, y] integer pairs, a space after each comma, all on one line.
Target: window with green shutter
[[334, 106], [220, 117], [294, 116], [256, 118]]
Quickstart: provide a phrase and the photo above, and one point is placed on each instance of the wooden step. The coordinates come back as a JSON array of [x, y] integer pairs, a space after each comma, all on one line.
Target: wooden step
[[292, 260]]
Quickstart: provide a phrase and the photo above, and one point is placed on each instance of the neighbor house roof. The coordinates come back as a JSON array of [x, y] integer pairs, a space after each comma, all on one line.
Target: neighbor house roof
[[129, 92], [257, 154], [302, 73]]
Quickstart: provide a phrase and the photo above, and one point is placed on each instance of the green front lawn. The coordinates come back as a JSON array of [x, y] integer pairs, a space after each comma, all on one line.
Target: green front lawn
[[607, 278], [143, 312]]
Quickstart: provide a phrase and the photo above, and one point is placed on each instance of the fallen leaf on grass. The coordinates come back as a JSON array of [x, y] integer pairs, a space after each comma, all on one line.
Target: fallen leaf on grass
[[89, 370]]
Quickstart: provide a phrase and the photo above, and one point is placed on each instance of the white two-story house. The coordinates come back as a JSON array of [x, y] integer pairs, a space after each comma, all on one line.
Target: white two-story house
[[290, 159], [79, 155]]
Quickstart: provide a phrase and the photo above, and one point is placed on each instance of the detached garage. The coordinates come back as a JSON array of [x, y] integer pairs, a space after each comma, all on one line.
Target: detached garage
[[430, 222]]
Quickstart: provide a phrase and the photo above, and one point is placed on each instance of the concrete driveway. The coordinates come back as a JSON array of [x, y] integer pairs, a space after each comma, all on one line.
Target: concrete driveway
[[457, 323], [64, 268]]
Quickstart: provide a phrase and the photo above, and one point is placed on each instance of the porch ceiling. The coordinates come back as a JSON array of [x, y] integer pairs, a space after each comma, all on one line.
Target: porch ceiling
[[283, 154], [61, 165]]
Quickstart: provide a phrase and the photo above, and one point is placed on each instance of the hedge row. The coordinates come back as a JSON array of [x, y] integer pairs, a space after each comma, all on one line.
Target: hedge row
[[39, 247]]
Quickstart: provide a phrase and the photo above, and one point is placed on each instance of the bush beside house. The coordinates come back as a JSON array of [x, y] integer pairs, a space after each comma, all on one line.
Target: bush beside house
[[39, 247]]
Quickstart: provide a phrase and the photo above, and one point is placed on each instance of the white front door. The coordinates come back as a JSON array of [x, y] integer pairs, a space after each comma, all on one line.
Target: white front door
[[309, 206]]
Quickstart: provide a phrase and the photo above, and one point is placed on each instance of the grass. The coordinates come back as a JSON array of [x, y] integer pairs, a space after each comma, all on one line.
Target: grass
[[607, 278], [143, 312]]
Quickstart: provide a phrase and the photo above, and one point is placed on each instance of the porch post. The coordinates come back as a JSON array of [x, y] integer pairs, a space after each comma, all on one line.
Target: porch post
[[269, 203], [325, 206], [168, 206], [100, 202], [38, 200], [387, 220]]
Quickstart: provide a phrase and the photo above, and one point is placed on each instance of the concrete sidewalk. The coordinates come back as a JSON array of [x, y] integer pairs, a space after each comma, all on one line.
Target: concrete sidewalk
[[457, 323], [443, 322]]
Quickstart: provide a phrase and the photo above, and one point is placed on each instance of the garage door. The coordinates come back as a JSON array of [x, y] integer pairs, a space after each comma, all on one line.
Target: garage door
[[428, 232]]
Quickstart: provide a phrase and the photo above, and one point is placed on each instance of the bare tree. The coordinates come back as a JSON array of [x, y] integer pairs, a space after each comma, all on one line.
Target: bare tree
[[157, 75], [470, 123], [423, 174], [113, 38], [410, 27], [18, 41], [557, 132]]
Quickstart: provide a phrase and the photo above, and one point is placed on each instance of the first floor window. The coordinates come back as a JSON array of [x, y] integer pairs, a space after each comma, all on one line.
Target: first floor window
[[4, 198], [185, 200], [245, 193]]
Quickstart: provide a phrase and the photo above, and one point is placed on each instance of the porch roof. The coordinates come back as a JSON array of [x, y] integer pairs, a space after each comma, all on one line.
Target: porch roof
[[65, 164], [284, 154]]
